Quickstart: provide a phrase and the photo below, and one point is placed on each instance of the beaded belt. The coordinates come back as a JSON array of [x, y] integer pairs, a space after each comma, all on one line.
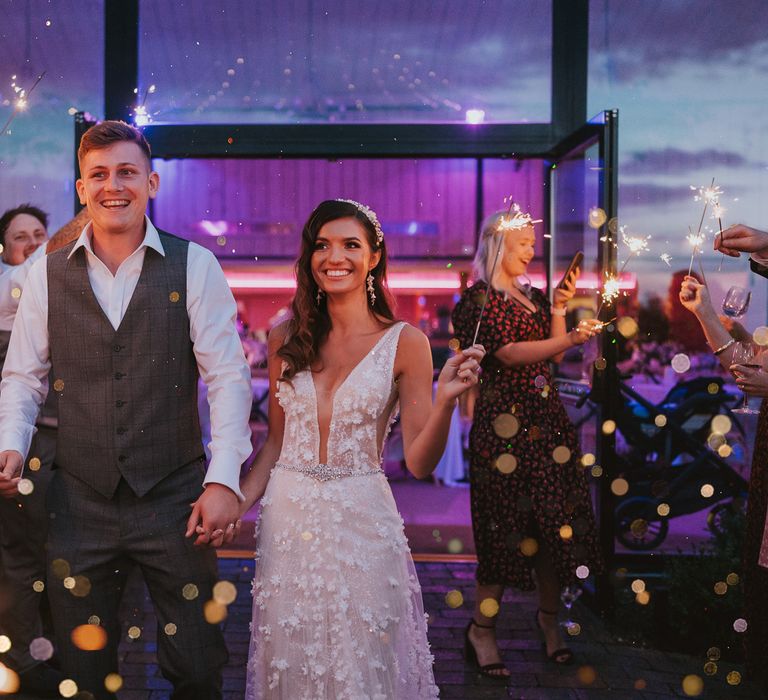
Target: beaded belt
[[324, 472]]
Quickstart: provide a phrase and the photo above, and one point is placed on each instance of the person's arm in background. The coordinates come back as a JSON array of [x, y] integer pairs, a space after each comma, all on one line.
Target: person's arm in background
[[745, 239], [68, 232]]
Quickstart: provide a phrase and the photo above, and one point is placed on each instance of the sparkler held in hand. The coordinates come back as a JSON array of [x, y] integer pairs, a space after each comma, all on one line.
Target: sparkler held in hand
[[611, 288]]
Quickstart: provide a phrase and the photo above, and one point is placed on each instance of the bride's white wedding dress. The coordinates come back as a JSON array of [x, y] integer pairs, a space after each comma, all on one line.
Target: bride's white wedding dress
[[337, 609]]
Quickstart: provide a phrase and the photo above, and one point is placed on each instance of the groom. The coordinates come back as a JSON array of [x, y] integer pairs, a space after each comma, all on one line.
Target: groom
[[125, 317]]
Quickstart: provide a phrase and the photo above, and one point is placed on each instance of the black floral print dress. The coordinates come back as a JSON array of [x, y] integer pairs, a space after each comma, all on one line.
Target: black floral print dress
[[528, 484]]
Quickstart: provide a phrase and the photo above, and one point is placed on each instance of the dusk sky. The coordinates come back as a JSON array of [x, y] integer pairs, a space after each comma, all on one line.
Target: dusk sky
[[689, 77]]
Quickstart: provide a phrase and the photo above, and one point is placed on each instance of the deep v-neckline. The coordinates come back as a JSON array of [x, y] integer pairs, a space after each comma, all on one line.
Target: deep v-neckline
[[332, 401]]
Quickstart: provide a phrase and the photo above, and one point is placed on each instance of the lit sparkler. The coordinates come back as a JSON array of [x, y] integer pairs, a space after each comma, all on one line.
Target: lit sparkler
[[665, 257], [22, 100], [141, 117], [708, 195], [611, 289]]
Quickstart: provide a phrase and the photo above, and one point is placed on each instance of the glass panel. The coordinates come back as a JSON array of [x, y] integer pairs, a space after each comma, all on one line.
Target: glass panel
[[42, 37], [305, 62]]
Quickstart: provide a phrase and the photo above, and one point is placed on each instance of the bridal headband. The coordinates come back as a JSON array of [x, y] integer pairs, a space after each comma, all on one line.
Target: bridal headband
[[370, 215]]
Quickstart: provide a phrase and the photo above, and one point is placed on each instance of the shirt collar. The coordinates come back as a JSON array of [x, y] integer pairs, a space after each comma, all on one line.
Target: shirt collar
[[151, 239]]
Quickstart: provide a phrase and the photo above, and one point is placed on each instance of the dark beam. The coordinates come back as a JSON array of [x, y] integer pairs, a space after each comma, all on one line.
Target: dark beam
[[570, 53], [121, 57], [348, 140]]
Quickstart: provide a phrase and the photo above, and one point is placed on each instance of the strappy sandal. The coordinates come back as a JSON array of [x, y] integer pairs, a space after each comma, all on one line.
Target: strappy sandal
[[563, 656], [470, 656]]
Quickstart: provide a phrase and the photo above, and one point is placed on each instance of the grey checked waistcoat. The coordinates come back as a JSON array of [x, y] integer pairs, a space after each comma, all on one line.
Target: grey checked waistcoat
[[127, 397]]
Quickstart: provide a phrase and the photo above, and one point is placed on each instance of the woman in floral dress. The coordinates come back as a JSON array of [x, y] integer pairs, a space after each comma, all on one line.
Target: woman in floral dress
[[531, 509]]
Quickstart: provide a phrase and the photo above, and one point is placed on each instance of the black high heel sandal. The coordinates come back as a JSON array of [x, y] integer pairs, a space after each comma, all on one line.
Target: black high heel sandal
[[563, 656], [470, 656]]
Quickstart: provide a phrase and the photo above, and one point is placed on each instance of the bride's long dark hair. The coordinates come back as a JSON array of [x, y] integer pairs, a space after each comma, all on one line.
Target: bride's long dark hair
[[310, 322]]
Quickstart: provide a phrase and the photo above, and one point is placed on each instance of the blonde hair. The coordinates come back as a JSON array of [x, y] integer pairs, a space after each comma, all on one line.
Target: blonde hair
[[487, 245]]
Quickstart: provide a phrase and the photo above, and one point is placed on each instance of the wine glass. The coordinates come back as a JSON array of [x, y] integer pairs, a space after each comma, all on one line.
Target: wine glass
[[743, 354], [569, 595], [736, 302]]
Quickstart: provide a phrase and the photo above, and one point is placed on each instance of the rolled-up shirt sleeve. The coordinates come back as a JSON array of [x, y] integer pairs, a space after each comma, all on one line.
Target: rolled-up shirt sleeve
[[221, 361], [25, 374]]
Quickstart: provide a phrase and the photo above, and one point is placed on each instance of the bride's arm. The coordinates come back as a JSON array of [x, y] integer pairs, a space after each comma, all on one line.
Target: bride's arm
[[425, 425], [254, 483]]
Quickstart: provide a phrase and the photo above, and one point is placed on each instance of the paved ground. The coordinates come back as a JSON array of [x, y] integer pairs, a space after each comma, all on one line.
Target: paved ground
[[604, 668]]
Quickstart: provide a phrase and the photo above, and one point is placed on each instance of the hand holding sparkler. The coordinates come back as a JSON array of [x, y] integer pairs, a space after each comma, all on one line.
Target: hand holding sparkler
[[742, 239], [611, 286], [585, 329]]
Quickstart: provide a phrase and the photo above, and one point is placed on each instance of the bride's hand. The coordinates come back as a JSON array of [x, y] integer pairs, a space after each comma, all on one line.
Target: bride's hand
[[459, 373]]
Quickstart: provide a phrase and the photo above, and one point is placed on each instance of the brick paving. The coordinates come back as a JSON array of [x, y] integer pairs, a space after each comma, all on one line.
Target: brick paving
[[619, 670]]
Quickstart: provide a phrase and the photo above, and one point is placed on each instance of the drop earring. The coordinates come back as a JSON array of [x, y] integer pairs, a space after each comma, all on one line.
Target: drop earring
[[371, 292], [319, 296]]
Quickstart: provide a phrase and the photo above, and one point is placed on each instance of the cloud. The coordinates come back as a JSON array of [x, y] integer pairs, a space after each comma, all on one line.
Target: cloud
[[677, 161], [645, 193]]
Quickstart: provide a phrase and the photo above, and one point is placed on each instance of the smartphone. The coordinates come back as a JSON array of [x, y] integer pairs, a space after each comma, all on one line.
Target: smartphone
[[578, 258]]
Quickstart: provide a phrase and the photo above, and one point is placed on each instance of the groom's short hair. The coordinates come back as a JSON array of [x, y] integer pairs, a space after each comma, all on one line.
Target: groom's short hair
[[109, 132]]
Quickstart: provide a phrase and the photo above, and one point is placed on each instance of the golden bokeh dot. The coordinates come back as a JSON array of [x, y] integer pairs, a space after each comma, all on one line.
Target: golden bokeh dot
[[68, 688], [5, 644], [221, 240], [640, 684], [619, 486], [82, 587], [639, 528], [89, 637], [60, 568], [566, 532], [713, 654], [597, 471], [35, 464], [214, 612], [454, 345], [224, 592], [643, 598], [733, 678], [454, 599], [600, 364], [725, 451], [627, 326], [663, 509], [489, 607], [38, 586], [609, 426], [732, 579], [134, 632], [586, 675], [710, 668], [16, 293], [573, 629], [721, 588], [94, 620], [707, 490], [69, 582], [638, 585], [58, 385], [588, 459], [561, 454], [9, 679], [174, 297], [721, 424], [25, 487], [713, 387], [597, 217], [760, 335], [529, 546], [170, 629], [455, 546], [113, 682], [506, 463], [716, 441], [190, 591], [306, 535], [660, 420], [505, 425]]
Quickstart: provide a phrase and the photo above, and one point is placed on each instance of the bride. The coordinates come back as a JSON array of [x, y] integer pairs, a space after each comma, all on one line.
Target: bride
[[337, 609]]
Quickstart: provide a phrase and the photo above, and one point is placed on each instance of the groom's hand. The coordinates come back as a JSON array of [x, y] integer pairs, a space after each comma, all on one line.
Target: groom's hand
[[214, 515], [11, 463]]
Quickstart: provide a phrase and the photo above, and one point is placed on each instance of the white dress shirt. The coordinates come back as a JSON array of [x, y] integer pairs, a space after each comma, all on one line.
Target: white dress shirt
[[217, 349], [12, 277]]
